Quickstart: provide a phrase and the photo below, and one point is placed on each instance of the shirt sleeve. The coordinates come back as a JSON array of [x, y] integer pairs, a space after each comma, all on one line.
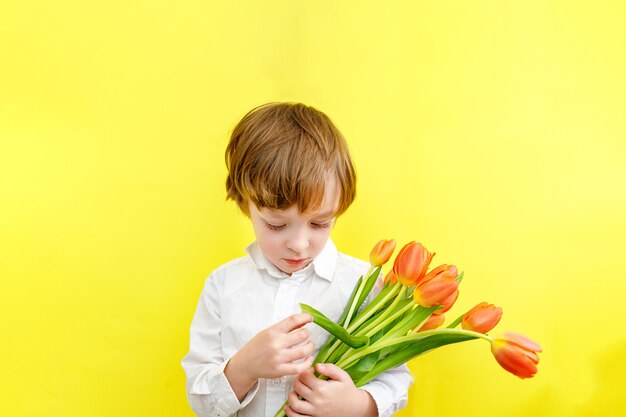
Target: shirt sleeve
[[390, 390], [208, 391]]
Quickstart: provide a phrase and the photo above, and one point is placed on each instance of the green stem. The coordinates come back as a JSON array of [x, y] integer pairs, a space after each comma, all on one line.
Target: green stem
[[387, 320], [373, 325], [349, 360], [375, 306], [368, 312], [382, 325]]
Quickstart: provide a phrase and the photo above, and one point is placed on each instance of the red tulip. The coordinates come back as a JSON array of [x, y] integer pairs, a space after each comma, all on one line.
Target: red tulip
[[437, 287], [382, 252], [482, 318], [434, 321], [517, 354], [411, 263]]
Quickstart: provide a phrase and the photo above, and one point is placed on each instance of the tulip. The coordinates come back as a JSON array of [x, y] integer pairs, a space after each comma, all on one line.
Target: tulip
[[434, 321], [448, 303], [482, 318], [435, 291], [382, 252], [442, 270], [517, 354], [411, 263], [437, 287]]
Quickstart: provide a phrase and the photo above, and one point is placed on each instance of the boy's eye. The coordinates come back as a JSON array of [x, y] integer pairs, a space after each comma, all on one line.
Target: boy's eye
[[324, 225], [274, 227]]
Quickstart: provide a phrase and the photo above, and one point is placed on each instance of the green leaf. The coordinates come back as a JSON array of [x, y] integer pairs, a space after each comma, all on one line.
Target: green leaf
[[363, 366], [410, 350], [412, 319], [330, 326], [322, 354]]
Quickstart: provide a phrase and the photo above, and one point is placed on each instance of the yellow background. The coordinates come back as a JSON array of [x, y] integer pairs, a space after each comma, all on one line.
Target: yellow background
[[493, 132]]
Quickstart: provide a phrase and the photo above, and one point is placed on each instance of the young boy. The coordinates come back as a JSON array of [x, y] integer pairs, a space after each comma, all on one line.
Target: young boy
[[251, 349]]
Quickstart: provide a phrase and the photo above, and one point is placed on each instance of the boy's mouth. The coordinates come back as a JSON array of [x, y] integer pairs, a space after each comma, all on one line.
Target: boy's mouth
[[295, 262]]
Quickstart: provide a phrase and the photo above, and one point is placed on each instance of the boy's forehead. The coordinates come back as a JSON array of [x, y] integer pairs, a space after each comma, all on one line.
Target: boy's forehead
[[327, 208], [293, 210]]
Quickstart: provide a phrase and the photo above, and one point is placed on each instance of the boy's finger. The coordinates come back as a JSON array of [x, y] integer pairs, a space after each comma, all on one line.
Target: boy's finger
[[309, 379], [300, 406], [300, 352], [332, 371], [297, 336], [302, 366], [294, 321], [301, 389]]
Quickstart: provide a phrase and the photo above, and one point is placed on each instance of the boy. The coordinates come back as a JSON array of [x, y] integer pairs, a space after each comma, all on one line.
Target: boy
[[290, 172]]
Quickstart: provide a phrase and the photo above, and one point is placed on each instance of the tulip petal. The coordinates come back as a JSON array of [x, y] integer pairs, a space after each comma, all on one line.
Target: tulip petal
[[523, 341]]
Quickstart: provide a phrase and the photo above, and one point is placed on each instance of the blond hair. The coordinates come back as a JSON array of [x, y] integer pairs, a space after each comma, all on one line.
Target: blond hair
[[281, 154]]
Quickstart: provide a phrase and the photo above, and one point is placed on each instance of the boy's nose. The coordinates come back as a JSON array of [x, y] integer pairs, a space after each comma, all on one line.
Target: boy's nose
[[298, 242]]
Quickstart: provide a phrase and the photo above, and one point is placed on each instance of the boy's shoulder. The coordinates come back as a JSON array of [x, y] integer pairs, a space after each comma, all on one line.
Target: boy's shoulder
[[234, 266], [343, 258]]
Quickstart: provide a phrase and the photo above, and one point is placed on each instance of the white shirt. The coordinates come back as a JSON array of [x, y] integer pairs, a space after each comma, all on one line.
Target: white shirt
[[249, 294]]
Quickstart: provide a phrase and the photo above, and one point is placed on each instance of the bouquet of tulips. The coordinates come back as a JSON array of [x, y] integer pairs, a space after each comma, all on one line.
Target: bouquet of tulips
[[404, 320]]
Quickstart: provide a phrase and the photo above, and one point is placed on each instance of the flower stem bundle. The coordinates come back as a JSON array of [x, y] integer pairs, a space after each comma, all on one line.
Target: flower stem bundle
[[403, 321]]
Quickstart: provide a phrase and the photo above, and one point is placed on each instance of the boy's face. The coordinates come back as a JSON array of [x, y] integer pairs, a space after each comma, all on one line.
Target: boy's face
[[290, 239]]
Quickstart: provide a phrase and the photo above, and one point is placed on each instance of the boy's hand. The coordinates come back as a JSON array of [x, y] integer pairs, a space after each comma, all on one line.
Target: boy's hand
[[337, 396], [270, 353]]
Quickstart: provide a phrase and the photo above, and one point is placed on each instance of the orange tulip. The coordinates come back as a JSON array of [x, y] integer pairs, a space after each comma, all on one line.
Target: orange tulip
[[437, 287], [517, 354], [482, 318], [433, 322], [435, 291], [448, 303], [411, 263], [442, 270], [382, 252]]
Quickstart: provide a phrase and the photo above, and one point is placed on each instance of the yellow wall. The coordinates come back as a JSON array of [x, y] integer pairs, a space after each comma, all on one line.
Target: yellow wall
[[491, 131]]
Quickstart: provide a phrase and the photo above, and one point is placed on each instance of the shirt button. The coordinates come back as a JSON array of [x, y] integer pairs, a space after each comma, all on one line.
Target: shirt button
[[276, 382]]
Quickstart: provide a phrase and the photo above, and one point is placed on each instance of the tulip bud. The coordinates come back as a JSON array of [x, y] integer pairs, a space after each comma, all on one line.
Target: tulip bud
[[382, 252], [434, 321], [437, 287], [411, 263], [517, 354], [442, 270], [434, 291], [482, 318]]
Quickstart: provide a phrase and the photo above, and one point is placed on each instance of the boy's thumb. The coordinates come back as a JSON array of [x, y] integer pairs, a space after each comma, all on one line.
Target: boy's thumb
[[332, 371]]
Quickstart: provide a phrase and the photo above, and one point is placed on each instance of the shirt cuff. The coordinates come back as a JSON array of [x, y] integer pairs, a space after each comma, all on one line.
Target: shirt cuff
[[381, 397], [216, 384]]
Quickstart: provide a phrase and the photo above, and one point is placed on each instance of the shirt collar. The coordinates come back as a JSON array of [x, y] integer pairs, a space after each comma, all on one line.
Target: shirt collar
[[324, 264]]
